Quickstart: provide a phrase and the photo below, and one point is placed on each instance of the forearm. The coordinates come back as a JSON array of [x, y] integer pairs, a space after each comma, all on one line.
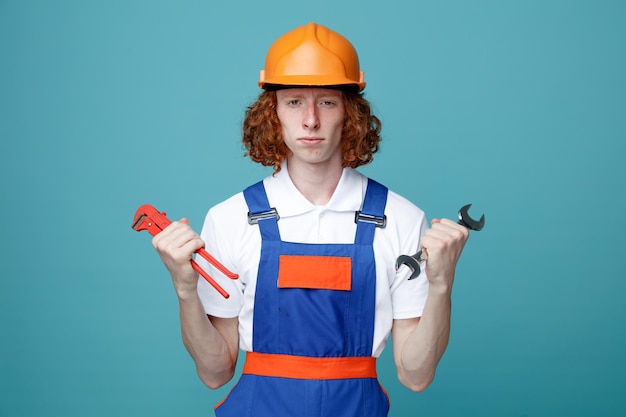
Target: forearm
[[214, 356], [419, 344], [425, 343], [212, 343]]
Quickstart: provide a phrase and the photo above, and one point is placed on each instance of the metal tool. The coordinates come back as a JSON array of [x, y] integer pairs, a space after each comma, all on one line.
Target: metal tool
[[150, 219], [413, 262]]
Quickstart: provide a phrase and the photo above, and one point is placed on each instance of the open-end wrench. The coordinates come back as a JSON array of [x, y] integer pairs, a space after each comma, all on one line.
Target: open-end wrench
[[413, 262], [150, 219]]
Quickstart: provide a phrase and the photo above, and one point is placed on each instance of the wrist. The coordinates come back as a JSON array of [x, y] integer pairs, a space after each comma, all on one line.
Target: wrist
[[441, 289], [187, 293]]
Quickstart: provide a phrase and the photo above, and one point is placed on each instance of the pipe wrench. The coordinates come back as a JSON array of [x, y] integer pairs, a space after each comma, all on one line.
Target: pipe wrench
[[150, 219]]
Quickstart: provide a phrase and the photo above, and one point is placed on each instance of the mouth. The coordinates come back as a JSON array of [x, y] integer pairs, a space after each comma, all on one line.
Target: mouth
[[310, 140]]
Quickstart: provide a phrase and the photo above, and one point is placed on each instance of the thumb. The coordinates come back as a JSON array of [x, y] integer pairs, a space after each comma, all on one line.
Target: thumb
[[184, 220], [435, 221]]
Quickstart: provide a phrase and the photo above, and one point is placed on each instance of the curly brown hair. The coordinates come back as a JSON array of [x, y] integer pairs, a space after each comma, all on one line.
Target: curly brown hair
[[263, 138]]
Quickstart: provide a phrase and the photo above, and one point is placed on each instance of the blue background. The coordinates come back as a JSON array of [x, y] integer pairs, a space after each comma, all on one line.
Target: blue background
[[516, 106]]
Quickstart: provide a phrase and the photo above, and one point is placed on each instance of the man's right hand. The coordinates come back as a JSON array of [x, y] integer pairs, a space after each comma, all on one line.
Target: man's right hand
[[176, 245]]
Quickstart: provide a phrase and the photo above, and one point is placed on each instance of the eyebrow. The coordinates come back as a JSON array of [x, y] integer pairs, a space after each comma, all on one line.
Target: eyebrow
[[293, 95], [297, 95]]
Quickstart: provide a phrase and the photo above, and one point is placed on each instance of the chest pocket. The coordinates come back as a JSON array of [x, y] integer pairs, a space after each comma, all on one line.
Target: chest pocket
[[315, 272]]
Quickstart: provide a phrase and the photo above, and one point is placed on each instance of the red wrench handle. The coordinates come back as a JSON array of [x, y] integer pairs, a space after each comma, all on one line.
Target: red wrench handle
[[208, 278], [216, 264]]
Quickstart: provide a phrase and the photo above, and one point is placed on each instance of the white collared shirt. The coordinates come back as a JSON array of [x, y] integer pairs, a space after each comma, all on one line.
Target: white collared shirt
[[237, 245]]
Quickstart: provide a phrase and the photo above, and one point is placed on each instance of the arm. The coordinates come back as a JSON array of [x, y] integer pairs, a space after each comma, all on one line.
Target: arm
[[419, 343], [212, 342]]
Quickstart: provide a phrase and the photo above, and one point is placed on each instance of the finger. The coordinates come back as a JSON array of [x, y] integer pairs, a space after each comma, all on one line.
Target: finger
[[452, 223], [446, 223], [191, 246], [444, 235], [438, 232], [175, 235], [451, 228], [165, 234], [183, 236]]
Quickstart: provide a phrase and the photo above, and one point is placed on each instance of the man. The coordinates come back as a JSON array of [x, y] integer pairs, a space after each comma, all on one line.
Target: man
[[314, 246]]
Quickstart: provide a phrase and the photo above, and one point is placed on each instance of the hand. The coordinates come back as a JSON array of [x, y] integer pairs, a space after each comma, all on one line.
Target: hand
[[176, 245], [442, 244]]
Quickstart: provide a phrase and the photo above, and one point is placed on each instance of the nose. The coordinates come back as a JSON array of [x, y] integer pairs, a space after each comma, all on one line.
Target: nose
[[311, 119]]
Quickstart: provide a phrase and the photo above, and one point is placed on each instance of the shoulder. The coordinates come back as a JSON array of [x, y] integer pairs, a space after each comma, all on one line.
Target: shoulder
[[232, 208], [398, 204], [403, 212], [395, 201]]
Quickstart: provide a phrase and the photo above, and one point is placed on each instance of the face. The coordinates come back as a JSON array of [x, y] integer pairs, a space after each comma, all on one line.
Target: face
[[312, 123]]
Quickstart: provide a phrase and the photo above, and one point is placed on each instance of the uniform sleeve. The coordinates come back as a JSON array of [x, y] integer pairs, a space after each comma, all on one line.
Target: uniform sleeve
[[408, 297], [220, 247]]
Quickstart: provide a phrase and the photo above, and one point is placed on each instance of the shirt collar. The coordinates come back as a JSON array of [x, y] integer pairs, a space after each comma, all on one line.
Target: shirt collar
[[283, 194]]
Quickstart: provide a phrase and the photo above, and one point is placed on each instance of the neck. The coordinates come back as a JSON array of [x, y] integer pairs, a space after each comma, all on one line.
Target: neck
[[316, 183]]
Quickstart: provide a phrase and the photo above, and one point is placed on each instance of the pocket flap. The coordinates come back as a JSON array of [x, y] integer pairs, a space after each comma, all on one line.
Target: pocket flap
[[315, 272]]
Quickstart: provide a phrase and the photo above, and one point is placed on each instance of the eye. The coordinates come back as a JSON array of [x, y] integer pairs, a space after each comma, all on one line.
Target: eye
[[293, 102]]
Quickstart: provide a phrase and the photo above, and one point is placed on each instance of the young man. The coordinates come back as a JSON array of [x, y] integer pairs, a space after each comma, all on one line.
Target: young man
[[314, 246]]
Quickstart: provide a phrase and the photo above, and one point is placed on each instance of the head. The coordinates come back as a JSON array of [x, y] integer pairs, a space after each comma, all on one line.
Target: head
[[311, 56]]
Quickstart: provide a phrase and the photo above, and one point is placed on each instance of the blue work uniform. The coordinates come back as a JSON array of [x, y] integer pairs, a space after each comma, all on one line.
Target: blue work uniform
[[313, 322]]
